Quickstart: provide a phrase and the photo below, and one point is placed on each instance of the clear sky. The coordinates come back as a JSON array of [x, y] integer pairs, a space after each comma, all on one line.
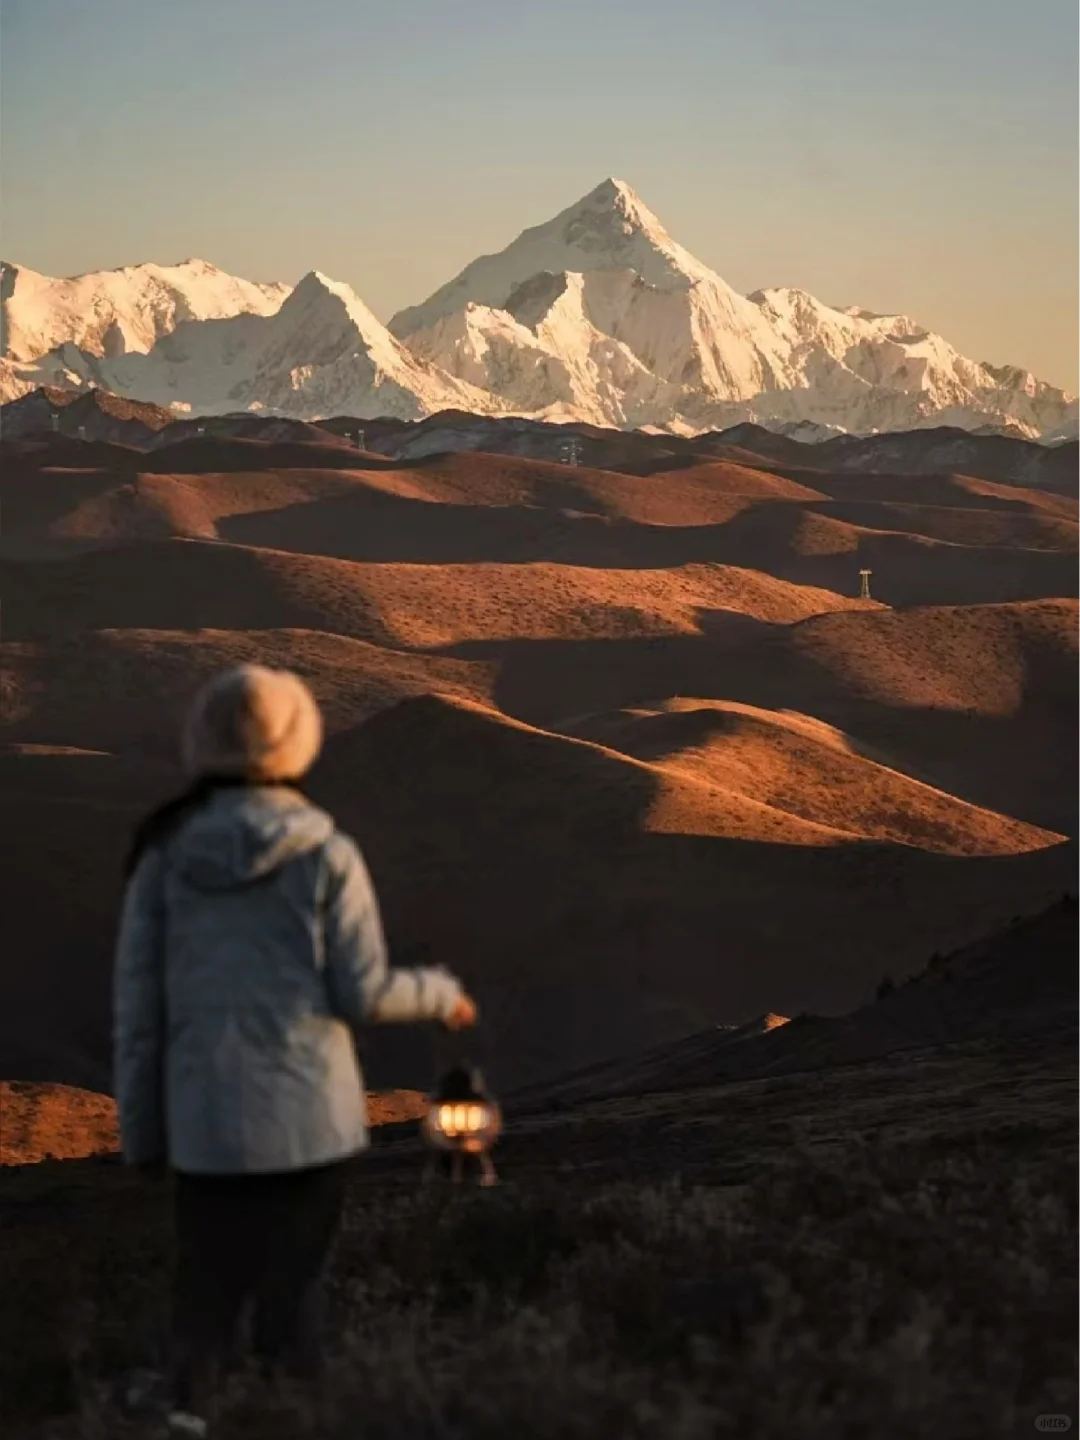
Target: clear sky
[[914, 155]]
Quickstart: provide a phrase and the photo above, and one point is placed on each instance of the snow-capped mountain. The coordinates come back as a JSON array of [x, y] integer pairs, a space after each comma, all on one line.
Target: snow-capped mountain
[[113, 312], [610, 229], [541, 353], [597, 316], [626, 327], [322, 352]]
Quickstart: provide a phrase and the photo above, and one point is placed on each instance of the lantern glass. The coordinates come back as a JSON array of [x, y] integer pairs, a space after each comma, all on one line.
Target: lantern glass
[[462, 1120], [471, 1125], [463, 1123]]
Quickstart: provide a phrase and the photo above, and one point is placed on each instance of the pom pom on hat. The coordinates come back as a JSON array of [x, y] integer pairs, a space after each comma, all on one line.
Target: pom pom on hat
[[255, 723]]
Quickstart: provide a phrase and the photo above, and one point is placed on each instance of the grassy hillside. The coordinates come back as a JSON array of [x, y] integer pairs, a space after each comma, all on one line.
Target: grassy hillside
[[883, 1250]]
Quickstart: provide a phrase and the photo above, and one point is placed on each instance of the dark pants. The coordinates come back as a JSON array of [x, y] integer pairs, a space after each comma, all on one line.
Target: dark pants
[[258, 1239]]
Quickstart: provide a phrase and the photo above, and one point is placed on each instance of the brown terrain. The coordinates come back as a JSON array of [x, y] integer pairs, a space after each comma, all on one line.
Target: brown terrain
[[1019, 982], [696, 1242], [768, 895], [620, 740], [41, 1121]]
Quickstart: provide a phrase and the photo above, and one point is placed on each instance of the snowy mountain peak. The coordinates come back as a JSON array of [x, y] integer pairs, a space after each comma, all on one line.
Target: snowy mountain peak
[[193, 265], [614, 229], [615, 189], [597, 314], [617, 195], [332, 316], [320, 351], [610, 228], [786, 304], [316, 288], [195, 269], [601, 311], [316, 280], [108, 313]]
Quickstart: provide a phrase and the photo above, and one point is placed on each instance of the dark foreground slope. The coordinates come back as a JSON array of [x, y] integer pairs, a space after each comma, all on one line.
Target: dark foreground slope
[[886, 1249], [882, 1243], [1021, 981]]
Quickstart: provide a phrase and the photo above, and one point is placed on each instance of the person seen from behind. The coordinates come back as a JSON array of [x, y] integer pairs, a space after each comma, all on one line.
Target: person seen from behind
[[250, 951]]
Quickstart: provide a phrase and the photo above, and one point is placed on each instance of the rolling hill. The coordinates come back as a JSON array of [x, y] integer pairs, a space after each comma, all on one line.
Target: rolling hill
[[619, 738]]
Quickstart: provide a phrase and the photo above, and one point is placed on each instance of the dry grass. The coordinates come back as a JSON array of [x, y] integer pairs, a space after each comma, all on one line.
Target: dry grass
[[65, 691], [884, 1251], [797, 766], [186, 584], [53, 1122], [977, 659], [594, 903], [41, 1121], [863, 787]]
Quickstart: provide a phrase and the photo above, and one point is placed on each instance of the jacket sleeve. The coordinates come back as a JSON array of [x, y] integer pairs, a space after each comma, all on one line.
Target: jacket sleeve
[[364, 988], [139, 1018]]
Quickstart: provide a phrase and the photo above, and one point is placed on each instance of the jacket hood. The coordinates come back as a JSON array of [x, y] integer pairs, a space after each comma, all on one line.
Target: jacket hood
[[241, 836]]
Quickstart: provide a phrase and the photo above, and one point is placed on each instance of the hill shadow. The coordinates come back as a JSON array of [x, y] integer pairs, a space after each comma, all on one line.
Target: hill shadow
[[584, 933], [909, 569], [1023, 764]]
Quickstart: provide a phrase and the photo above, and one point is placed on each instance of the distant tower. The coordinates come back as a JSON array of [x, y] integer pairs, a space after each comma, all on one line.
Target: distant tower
[[56, 420], [572, 452], [360, 438], [82, 432], [864, 585]]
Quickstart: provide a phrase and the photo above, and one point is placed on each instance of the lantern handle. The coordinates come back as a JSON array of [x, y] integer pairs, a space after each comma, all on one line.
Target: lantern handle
[[447, 1050], [471, 1048]]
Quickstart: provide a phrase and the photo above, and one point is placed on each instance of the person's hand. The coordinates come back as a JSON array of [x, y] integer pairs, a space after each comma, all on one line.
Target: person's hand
[[463, 1016]]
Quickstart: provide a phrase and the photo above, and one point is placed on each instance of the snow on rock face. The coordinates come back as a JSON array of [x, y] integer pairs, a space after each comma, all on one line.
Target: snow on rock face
[[321, 353], [543, 355], [113, 312], [596, 316], [647, 335], [491, 350], [610, 229]]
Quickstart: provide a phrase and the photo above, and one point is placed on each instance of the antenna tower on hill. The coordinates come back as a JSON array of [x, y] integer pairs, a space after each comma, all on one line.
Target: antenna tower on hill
[[864, 584], [572, 452]]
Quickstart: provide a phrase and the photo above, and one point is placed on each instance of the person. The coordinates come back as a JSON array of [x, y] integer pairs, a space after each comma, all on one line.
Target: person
[[250, 949]]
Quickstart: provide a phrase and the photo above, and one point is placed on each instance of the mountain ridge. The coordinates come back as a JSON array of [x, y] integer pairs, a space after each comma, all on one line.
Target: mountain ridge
[[597, 316]]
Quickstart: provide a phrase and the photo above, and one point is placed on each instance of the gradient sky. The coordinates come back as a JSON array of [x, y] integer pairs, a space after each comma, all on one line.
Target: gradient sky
[[910, 155]]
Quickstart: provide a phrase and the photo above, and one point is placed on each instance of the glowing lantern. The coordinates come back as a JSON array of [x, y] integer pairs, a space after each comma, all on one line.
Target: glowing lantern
[[463, 1124]]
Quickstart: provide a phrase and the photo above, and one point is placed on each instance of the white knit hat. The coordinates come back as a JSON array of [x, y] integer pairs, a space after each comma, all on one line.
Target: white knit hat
[[254, 722]]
